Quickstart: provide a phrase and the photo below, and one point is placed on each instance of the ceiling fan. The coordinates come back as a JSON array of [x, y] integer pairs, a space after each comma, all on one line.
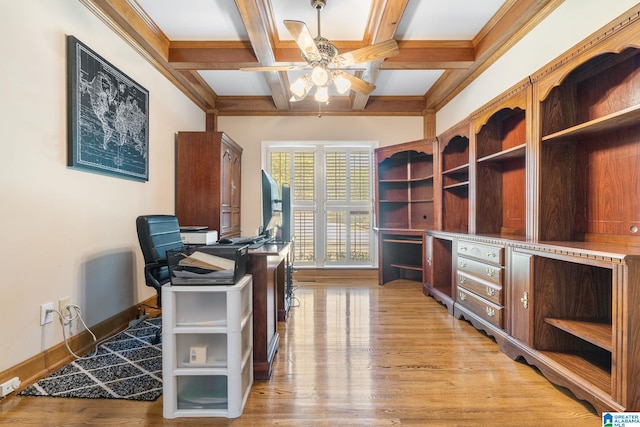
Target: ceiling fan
[[326, 65]]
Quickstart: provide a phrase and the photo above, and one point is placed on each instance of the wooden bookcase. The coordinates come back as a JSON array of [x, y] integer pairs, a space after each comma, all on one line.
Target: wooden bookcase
[[454, 178], [500, 178], [548, 176], [590, 133], [405, 206]]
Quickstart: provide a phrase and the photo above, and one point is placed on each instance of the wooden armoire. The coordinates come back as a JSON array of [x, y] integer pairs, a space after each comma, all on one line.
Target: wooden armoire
[[208, 167]]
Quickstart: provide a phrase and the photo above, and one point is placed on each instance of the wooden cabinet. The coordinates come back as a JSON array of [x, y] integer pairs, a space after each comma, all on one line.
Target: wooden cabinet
[[267, 265], [547, 181], [480, 283], [584, 325], [208, 173], [405, 207], [519, 302], [582, 284], [536, 237], [439, 256]]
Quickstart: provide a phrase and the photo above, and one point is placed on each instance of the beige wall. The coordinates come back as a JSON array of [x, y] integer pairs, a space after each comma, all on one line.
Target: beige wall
[[66, 232], [249, 132]]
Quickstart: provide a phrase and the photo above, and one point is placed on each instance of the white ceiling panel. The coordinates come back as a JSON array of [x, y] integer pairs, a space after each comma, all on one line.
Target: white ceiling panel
[[445, 20], [235, 83], [196, 19], [340, 19], [405, 82]]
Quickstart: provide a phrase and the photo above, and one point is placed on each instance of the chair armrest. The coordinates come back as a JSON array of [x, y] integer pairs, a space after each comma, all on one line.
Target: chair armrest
[[150, 268]]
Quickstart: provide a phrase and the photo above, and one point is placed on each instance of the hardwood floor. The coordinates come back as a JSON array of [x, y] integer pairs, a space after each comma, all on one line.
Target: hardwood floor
[[355, 353]]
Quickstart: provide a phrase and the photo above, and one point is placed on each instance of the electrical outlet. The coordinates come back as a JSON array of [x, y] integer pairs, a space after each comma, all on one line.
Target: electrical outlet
[[44, 316], [62, 303], [9, 386]]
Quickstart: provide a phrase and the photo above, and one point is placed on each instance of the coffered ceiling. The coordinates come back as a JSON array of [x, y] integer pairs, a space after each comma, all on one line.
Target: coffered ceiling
[[200, 45]]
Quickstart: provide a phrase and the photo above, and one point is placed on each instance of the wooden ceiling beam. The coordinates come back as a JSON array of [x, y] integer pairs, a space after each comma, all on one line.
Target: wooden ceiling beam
[[383, 23], [432, 55], [339, 105], [414, 55], [257, 18]]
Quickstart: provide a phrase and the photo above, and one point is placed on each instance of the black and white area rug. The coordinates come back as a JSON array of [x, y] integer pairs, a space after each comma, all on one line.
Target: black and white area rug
[[126, 366]]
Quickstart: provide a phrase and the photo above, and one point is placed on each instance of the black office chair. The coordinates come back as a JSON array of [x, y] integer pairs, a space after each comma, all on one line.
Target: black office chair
[[157, 235]]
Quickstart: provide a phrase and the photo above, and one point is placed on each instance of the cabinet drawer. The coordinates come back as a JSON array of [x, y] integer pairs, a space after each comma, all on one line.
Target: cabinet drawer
[[488, 290], [487, 310], [490, 273], [481, 251]]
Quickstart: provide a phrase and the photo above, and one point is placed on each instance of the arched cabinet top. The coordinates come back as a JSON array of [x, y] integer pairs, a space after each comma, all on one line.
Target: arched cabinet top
[[614, 38], [460, 130], [512, 99], [421, 146]]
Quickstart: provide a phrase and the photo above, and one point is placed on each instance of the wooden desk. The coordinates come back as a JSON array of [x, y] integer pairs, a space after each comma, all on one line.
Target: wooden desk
[[268, 266]]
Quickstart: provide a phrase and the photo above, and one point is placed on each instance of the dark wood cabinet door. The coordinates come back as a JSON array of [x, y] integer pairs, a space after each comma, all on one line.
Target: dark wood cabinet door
[[520, 301]]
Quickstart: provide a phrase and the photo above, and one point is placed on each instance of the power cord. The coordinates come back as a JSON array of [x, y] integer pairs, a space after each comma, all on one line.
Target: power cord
[[64, 320]]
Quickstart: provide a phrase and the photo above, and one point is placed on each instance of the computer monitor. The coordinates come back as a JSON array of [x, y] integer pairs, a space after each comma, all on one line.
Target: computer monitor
[[271, 206]]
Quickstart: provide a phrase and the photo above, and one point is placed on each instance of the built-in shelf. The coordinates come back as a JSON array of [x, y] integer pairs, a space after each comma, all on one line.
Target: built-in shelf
[[627, 117], [456, 186], [457, 169], [577, 363], [407, 267], [511, 153], [426, 178], [596, 333], [410, 241], [399, 181]]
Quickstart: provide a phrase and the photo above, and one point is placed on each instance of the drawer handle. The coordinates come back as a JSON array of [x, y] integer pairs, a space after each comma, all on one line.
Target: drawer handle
[[429, 261], [462, 263], [490, 311], [525, 300], [490, 291], [462, 280], [463, 248], [462, 296], [490, 272], [491, 254]]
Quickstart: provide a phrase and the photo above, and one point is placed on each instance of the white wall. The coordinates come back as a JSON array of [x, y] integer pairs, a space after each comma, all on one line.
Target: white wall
[[249, 132], [67, 232], [569, 24]]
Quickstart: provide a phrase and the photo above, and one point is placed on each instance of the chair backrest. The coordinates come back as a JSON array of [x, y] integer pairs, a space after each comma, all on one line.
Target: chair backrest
[[157, 235]]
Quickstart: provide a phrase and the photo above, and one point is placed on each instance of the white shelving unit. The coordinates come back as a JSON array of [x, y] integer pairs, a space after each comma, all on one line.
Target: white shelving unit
[[207, 358]]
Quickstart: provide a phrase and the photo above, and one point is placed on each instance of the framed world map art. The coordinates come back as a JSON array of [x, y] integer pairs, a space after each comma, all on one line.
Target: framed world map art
[[108, 116]]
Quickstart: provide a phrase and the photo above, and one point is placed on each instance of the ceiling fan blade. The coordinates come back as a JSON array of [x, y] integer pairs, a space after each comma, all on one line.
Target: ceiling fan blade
[[359, 85], [303, 39], [370, 53], [273, 68]]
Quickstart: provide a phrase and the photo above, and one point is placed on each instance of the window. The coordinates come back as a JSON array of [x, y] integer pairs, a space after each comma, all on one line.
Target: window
[[332, 200]]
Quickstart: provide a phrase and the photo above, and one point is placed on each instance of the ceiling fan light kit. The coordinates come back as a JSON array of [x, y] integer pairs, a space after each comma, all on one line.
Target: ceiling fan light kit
[[326, 64]]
